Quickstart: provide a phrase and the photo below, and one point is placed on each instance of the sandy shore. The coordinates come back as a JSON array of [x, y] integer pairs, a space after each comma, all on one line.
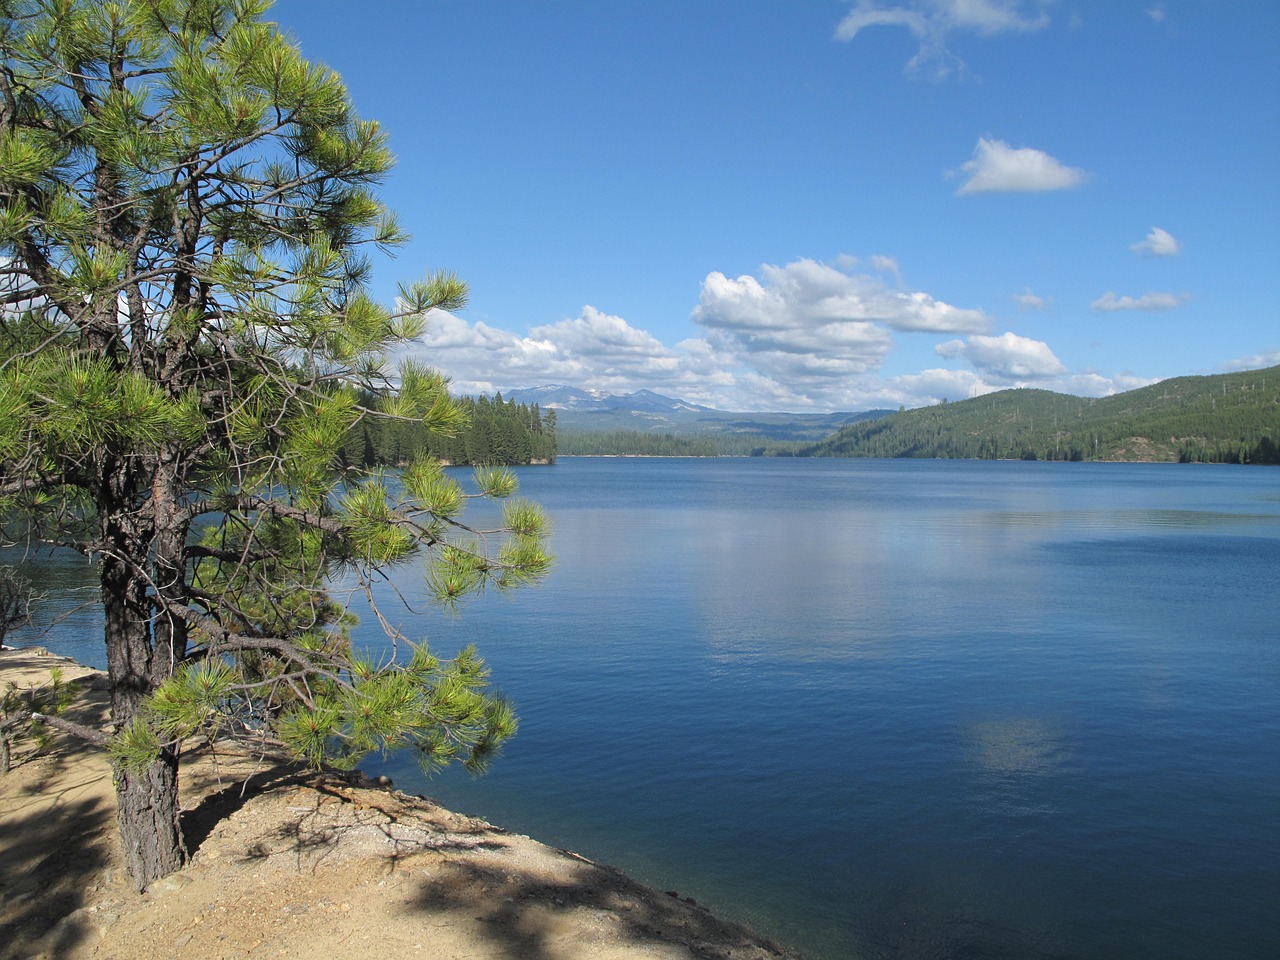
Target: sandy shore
[[305, 866]]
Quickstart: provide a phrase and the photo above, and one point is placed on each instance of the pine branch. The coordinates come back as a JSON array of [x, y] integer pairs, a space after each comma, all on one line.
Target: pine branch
[[90, 734]]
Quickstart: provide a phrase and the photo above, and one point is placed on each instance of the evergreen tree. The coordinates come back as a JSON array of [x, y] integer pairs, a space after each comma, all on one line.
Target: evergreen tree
[[186, 342], [549, 432]]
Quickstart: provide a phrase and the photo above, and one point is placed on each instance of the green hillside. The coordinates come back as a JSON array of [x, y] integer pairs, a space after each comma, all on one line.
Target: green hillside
[[1229, 418]]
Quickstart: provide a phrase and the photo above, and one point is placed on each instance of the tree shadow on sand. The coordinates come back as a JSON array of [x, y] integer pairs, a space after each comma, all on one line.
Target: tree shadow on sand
[[224, 789], [56, 845], [522, 899], [529, 917]]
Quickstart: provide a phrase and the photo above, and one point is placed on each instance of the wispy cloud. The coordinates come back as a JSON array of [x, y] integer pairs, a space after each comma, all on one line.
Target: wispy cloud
[[887, 265], [1026, 300], [931, 22], [1148, 301], [997, 167], [1159, 243]]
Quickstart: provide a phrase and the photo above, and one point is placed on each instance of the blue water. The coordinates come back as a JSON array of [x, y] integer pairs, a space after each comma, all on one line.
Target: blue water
[[903, 709]]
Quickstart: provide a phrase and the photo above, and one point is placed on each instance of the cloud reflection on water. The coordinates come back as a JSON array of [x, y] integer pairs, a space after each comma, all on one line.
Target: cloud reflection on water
[[1028, 746]]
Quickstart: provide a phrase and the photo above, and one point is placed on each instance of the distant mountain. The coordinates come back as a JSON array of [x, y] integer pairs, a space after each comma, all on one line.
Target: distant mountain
[[581, 400], [1232, 418], [594, 411]]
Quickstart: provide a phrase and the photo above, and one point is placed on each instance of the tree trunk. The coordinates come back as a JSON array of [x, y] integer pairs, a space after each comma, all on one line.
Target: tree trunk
[[147, 799], [147, 811], [169, 564]]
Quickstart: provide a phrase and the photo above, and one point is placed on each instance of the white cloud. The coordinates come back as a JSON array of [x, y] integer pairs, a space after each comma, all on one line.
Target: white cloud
[[1159, 243], [887, 265], [1026, 300], [804, 336], [866, 13], [594, 348], [1148, 301], [1268, 358], [601, 351], [932, 21], [818, 331], [930, 386], [997, 167], [1156, 12], [602, 336], [472, 355], [1090, 384], [808, 295], [1008, 357], [816, 328]]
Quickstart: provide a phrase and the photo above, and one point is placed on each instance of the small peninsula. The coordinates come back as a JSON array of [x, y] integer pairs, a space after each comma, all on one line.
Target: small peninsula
[[286, 862]]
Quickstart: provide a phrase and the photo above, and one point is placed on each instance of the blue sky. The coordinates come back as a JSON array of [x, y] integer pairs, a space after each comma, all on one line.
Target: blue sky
[[833, 204]]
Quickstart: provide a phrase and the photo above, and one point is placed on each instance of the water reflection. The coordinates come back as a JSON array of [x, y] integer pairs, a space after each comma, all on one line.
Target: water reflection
[[865, 576], [1027, 746], [1122, 520], [920, 709]]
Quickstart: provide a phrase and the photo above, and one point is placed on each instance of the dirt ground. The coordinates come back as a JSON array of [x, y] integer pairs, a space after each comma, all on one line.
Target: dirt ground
[[305, 866]]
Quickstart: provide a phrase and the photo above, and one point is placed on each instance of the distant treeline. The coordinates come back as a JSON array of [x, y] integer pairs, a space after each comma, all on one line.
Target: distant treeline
[[497, 433], [636, 443], [633, 443], [1229, 418]]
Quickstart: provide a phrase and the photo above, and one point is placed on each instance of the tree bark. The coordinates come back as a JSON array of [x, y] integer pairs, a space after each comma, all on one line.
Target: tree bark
[[147, 811], [147, 799], [169, 563]]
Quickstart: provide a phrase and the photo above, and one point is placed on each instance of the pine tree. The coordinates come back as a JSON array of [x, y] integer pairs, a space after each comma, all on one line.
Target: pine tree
[[186, 340]]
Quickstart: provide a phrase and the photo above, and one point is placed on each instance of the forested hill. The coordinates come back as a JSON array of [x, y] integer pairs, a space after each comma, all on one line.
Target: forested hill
[[497, 432], [1229, 418]]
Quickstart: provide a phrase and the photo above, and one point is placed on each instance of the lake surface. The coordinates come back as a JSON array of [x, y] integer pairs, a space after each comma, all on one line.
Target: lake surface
[[898, 709]]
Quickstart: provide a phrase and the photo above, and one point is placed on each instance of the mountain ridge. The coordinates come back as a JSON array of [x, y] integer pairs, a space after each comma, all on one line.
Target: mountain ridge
[[585, 410], [1221, 418]]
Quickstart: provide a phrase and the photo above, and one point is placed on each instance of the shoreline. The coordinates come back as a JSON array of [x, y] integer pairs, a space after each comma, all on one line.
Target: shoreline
[[305, 864]]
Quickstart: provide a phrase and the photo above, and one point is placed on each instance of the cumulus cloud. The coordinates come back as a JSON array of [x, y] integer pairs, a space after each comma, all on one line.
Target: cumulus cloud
[[594, 347], [804, 336], [932, 21], [929, 386], [1148, 301], [1008, 357], [1092, 384], [603, 336], [997, 167], [811, 297], [1159, 243], [602, 351], [473, 354], [816, 327], [1257, 361]]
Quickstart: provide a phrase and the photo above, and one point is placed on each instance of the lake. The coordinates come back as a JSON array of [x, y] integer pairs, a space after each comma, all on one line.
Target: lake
[[896, 709]]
